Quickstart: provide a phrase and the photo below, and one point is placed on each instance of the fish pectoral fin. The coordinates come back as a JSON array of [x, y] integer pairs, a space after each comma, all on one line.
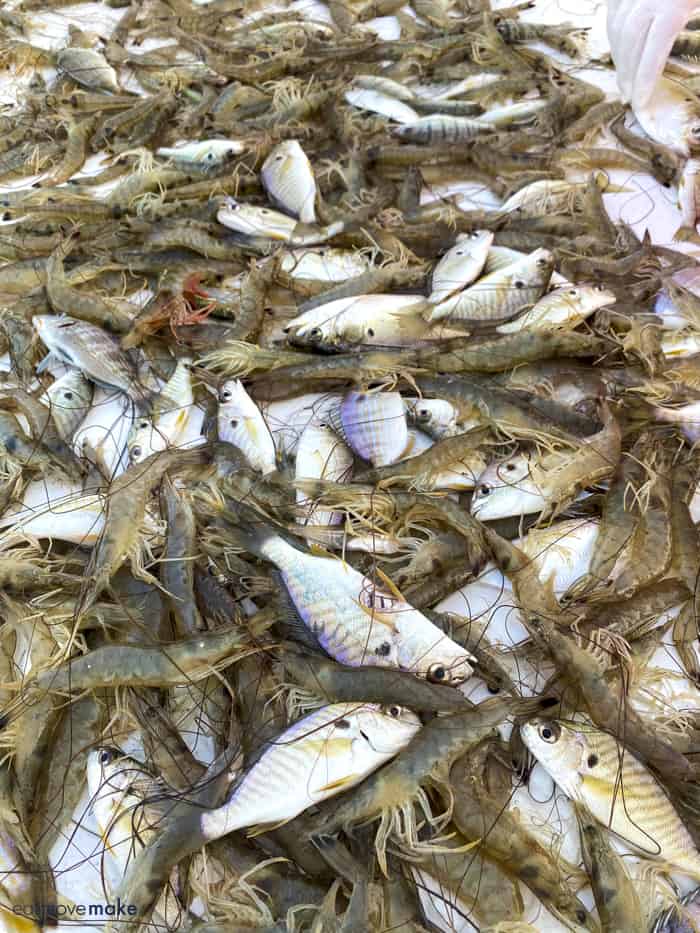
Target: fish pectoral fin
[[338, 784]]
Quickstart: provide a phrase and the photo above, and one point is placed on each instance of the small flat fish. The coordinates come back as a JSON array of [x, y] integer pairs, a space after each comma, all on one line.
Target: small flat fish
[[321, 454], [461, 265], [590, 767], [87, 67], [566, 306], [289, 180], [242, 424], [500, 296], [384, 104], [373, 424], [69, 398], [323, 754], [91, 350], [205, 155]]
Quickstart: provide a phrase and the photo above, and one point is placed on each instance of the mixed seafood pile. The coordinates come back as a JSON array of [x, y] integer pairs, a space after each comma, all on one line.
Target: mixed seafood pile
[[349, 565]]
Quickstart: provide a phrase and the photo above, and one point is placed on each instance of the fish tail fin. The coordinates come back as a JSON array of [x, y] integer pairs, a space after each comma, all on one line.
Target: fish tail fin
[[686, 234]]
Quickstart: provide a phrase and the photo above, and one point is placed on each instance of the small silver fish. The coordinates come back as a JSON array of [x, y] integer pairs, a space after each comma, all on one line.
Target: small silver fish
[[591, 766], [205, 155], [565, 306], [377, 101], [241, 423], [321, 454], [69, 399], [437, 417], [87, 67], [461, 265], [500, 296], [91, 350], [289, 180], [373, 424], [506, 488], [329, 751]]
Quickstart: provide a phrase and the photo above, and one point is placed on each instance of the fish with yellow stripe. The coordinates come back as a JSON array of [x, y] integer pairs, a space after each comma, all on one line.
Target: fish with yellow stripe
[[593, 768], [326, 752]]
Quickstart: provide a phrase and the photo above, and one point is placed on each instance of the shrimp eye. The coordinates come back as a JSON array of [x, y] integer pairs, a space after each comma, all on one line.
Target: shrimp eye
[[135, 452], [437, 673], [549, 732], [485, 490]]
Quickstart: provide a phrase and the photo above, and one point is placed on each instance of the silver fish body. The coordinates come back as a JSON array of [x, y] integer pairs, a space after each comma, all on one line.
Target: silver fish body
[[373, 424], [87, 67], [242, 424], [91, 350], [289, 180], [326, 752], [460, 265], [68, 399]]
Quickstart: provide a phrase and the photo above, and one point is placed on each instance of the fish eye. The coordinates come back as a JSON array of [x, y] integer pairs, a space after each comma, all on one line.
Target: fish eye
[[549, 732], [510, 467], [485, 490], [520, 283], [135, 451], [437, 673], [107, 755], [460, 252], [542, 262], [209, 155], [384, 649], [370, 332], [394, 711], [68, 396], [574, 293], [278, 158], [234, 422], [423, 412], [143, 424], [225, 395]]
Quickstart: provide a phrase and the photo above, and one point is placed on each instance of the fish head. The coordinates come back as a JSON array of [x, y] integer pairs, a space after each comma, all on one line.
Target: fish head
[[506, 488], [542, 262], [385, 729], [144, 439], [560, 750], [691, 134], [52, 329], [71, 391], [107, 770], [591, 297], [255, 221], [435, 413]]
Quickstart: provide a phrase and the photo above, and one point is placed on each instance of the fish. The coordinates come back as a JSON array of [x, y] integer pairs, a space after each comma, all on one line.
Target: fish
[[376, 101], [330, 751], [68, 398], [355, 620], [89, 349], [375, 320], [562, 552], [175, 421], [87, 67], [206, 154], [435, 416], [242, 424], [256, 221], [689, 200], [565, 306], [593, 768], [324, 264], [500, 296], [321, 454], [373, 424], [460, 265], [289, 180], [505, 488]]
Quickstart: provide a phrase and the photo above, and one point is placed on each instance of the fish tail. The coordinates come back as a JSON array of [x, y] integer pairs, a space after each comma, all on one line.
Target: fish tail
[[687, 235]]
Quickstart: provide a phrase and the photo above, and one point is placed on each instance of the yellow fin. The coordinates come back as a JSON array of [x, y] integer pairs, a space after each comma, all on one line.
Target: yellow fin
[[390, 585], [336, 785]]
